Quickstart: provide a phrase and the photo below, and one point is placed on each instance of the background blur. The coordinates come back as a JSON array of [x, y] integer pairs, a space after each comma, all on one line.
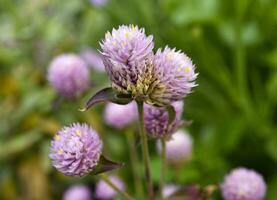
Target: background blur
[[234, 108]]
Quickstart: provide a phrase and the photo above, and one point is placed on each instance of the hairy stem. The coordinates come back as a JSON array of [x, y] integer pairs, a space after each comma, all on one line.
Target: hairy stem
[[145, 151], [124, 194]]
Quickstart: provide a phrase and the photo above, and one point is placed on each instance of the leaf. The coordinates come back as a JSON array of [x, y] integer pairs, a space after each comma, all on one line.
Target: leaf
[[107, 94], [171, 114], [106, 165]]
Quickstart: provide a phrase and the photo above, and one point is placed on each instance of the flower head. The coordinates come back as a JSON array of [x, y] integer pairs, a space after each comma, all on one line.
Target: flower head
[[178, 148], [77, 192], [99, 3], [76, 150], [156, 120], [175, 73], [93, 59], [127, 56], [169, 190], [119, 116], [104, 191], [243, 184], [69, 75]]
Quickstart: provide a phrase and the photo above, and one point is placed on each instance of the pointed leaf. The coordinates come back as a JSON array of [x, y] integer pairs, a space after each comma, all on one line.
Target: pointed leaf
[[171, 114], [106, 165], [107, 94]]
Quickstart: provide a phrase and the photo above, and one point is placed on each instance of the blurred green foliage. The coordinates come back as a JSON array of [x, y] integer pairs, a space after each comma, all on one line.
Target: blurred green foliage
[[234, 108]]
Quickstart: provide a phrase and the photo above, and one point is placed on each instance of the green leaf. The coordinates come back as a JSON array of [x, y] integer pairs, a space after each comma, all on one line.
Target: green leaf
[[106, 165]]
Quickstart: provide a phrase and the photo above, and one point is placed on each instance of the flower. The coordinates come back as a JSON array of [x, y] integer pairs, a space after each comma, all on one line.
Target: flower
[[76, 150], [243, 184], [156, 120], [104, 191], [77, 192], [99, 3], [127, 56], [69, 75], [175, 73], [119, 116], [178, 148], [169, 190], [93, 59]]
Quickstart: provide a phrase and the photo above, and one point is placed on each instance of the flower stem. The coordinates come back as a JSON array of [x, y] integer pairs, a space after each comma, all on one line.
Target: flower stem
[[145, 152], [105, 178], [135, 163], [163, 167]]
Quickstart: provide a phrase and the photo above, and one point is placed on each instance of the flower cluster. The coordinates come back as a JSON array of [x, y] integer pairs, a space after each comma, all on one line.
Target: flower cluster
[[76, 150], [134, 69], [243, 184]]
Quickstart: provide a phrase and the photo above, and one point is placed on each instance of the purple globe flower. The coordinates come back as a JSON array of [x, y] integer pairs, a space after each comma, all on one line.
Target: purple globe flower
[[156, 120], [77, 192], [127, 56], [119, 116], [104, 191], [93, 59], [99, 3], [69, 75], [243, 184], [178, 148], [76, 150], [175, 74]]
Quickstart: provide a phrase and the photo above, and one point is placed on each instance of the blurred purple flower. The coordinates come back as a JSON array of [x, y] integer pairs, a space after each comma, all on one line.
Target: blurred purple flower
[[127, 56], [69, 75], [99, 3], [178, 148], [77, 192], [243, 184], [76, 150], [119, 116], [104, 191], [156, 120], [93, 59], [175, 74], [169, 190]]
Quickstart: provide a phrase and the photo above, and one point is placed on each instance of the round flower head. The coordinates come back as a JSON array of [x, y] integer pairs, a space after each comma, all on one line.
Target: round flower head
[[69, 75], [99, 3], [156, 120], [178, 148], [175, 74], [93, 59], [104, 191], [76, 150], [77, 192], [243, 184], [127, 56], [119, 116]]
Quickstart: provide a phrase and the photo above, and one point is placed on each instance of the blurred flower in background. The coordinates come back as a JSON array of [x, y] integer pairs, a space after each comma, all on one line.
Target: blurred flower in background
[[77, 192], [178, 148], [104, 192], [169, 189], [69, 75], [99, 3], [120, 116], [156, 120], [93, 59], [243, 184]]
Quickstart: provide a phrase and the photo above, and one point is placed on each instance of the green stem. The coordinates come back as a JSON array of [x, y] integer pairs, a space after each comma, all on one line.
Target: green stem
[[134, 163], [163, 167], [105, 178], [145, 152]]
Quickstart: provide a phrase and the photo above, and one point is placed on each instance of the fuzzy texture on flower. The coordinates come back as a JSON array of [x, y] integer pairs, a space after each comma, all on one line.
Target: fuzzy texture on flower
[[243, 184], [178, 148], [76, 150], [104, 191], [127, 56], [69, 75], [77, 192], [93, 59], [175, 73], [120, 116], [156, 120]]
